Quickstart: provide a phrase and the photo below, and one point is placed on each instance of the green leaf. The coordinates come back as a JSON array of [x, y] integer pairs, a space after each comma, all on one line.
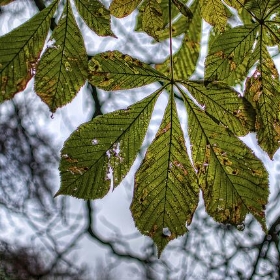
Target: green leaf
[[20, 50], [186, 58], [62, 70], [152, 21], [164, 5], [271, 36], [263, 91], [180, 26], [96, 16], [214, 12], [113, 70], [237, 4], [122, 8], [107, 143], [184, 10], [234, 182], [224, 106], [228, 52], [166, 189]]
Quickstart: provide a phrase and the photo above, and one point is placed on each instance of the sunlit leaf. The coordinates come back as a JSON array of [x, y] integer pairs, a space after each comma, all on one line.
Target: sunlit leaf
[[20, 50], [263, 91], [113, 70], [122, 8], [223, 105], [96, 16], [62, 70], [180, 26], [166, 189], [214, 12], [164, 5], [228, 51], [186, 58], [152, 21], [237, 4], [234, 182], [108, 143]]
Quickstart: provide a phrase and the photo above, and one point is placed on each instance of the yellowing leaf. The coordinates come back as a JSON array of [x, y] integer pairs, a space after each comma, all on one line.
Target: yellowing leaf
[[122, 8], [164, 6], [96, 16], [263, 91], [166, 189], [234, 182], [108, 143], [62, 70], [214, 12], [20, 50], [152, 21], [113, 70], [237, 4]]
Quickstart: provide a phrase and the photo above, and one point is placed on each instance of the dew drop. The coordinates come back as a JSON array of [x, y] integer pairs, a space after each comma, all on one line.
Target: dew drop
[[52, 116], [94, 142]]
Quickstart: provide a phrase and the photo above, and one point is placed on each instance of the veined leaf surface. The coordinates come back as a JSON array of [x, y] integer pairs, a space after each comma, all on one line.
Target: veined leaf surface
[[62, 70], [166, 188], [229, 50], [152, 21], [234, 182], [20, 50], [122, 8], [113, 70], [223, 105], [164, 5], [96, 16], [237, 4], [108, 143], [214, 12]]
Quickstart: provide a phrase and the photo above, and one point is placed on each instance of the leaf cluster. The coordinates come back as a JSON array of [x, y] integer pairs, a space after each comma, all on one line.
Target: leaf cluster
[[167, 184]]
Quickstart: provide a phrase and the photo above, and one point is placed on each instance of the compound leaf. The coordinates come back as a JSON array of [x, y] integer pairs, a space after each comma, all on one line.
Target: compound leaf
[[166, 188], [96, 16], [234, 182], [62, 70], [20, 50], [108, 143], [113, 70]]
